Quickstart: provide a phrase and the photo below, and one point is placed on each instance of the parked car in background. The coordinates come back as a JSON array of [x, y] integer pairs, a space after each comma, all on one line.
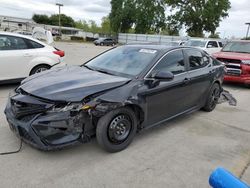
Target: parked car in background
[[105, 42], [22, 56], [113, 96], [210, 46], [236, 56]]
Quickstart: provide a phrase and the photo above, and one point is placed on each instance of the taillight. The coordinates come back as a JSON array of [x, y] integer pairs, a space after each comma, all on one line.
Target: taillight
[[59, 52]]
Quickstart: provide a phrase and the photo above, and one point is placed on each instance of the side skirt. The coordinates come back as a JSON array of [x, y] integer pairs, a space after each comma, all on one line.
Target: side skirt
[[189, 111]]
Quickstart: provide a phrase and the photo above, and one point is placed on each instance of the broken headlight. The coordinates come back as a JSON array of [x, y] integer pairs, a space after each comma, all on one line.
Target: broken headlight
[[71, 107], [65, 108]]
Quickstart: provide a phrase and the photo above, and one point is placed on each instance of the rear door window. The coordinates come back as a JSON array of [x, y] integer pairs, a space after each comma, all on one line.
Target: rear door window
[[12, 43], [196, 59], [33, 44], [172, 62]]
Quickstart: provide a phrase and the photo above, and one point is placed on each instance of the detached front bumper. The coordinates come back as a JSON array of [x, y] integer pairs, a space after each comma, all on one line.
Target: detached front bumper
[[50, 131]]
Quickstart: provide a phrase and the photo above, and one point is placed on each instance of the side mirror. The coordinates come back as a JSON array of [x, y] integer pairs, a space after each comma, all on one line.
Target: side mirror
[[163, 76], [209, 46]]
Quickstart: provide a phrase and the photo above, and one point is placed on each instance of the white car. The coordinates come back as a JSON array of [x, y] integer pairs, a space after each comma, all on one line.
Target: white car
[[210, 46], [22, 56]]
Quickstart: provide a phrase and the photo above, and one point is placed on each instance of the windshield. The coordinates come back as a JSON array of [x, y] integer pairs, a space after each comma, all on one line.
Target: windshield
[[123, 61], [240, 47], [196, 43]]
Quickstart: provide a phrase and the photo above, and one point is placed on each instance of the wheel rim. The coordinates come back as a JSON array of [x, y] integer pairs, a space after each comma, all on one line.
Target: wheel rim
[[215, 97], [119, 129], [40, 70]]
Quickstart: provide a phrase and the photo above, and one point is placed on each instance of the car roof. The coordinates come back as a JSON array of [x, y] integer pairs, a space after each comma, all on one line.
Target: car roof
[[23, 36], [158, 47]]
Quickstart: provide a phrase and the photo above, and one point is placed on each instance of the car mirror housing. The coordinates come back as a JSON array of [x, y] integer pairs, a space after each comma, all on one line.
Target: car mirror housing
[[163, 76], [209, 46]]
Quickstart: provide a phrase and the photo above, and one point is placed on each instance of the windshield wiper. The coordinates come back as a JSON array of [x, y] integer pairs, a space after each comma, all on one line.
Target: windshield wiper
[[88, 67], [98, 70]]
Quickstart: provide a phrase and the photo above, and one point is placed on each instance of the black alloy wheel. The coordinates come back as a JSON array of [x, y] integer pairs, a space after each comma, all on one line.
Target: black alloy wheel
[[213, 98]]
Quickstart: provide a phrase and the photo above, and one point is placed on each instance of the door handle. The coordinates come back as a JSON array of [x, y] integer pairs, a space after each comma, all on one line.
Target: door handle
[[186, 81], [212, 71]]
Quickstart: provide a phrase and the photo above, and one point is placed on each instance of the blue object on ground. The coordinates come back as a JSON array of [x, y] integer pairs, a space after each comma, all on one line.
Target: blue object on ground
[[221, 178]]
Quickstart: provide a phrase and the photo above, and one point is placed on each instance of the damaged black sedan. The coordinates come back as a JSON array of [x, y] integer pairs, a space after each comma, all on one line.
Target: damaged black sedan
[[113, 96]]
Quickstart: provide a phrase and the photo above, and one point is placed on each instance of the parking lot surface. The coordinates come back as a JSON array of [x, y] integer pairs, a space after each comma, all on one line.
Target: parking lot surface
[[181, 153]]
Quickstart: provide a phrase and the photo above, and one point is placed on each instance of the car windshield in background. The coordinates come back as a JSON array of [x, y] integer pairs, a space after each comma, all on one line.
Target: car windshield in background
[[240, 47], [196, 43], [123, 61]]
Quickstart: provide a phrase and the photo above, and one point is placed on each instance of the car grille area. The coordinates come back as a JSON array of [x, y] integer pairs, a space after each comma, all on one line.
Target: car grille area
[[25, 107], [24, 134], [233, 66]]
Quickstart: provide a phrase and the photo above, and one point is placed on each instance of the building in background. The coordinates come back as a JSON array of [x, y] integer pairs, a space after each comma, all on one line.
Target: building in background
[[24, 25], [8, 23]]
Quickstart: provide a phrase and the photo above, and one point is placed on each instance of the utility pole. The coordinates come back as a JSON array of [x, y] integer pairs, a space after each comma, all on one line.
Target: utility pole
[[59, 6], [247, 29]]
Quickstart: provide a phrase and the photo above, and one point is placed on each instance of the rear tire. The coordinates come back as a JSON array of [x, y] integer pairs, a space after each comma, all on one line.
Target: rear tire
[[116, 130], [39, 68], [213, 98]]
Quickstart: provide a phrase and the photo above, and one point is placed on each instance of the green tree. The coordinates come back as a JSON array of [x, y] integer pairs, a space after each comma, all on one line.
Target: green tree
[[94, 27], [146, 16], [150, 16], [198, 15], [41, 18], [122, 15], [82, 24], [66, 21], [105, 25]]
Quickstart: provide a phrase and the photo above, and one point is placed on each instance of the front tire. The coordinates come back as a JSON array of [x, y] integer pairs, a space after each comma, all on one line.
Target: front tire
[[213, 98], [116, 130]]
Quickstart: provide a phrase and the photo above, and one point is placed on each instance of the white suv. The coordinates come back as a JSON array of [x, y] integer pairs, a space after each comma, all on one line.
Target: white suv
[[210, 46], [22, 56]]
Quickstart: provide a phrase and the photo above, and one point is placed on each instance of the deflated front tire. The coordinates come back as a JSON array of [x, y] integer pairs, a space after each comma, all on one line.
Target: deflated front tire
[[116, 130]]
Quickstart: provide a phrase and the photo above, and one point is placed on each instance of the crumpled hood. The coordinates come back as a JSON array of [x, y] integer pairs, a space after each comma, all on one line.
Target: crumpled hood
[[71, 83]]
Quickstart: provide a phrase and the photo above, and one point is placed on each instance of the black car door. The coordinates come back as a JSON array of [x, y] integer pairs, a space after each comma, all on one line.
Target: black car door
[[165, 99], [200, 75]]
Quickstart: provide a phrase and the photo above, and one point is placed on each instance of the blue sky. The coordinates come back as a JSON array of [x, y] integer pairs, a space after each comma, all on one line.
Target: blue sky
[[234, 25]]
